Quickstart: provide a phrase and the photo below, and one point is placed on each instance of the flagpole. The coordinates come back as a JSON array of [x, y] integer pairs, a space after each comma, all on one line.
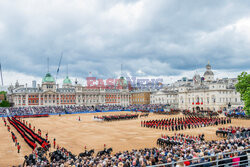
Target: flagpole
[[1, 73], [57, 72]]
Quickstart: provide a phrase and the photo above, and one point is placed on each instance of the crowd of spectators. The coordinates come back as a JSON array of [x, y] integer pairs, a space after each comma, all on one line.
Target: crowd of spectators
[[150, 107], [185, 153], [238, 112], [71, 109], [43, 110]]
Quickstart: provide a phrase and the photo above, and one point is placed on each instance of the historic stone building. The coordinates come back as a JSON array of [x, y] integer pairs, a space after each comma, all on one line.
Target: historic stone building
[[205, 93], [140, 97], [50, 94], [165, 96], [198, 93]]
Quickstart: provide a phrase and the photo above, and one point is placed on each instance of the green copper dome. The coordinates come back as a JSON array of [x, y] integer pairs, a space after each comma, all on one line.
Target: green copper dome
[[48, 78], [121, 82], [67, 80]]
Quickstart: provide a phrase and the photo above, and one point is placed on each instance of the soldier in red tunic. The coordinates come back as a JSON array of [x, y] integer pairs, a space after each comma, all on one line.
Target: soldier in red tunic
[[54, 142], [18, 148]]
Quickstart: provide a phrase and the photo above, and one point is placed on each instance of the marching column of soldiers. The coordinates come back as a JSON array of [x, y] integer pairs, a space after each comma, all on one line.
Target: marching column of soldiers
[[182, 123], [179, 139]]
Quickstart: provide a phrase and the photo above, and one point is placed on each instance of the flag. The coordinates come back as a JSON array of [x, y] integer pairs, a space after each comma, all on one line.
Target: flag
[[57, 71]]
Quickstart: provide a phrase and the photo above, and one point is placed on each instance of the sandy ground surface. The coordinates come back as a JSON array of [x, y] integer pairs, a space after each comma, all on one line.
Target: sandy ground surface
[[74, 135]]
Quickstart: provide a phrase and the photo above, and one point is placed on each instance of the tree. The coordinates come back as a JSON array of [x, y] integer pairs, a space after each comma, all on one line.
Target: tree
[[243, 87], [4, 103], [3, 92]]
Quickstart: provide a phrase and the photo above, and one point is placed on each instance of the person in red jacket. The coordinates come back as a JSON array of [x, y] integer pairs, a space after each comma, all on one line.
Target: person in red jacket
[[54, 143], [18, 148]]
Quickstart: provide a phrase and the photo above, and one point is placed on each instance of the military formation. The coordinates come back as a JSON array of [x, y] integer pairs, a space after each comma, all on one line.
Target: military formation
[[230, 131], [179, 139], [117, 117], [182, 123]]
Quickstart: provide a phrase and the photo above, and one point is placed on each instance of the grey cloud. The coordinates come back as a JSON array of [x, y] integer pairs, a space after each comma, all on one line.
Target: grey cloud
[[165, 39]]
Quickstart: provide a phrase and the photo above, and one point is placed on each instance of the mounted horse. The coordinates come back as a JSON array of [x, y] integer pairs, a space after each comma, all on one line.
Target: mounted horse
[[87, 153], [105, 151]]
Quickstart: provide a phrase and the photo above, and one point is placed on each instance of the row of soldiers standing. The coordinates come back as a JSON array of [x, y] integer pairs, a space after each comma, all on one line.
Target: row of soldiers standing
[[181, 123], [13, 136]]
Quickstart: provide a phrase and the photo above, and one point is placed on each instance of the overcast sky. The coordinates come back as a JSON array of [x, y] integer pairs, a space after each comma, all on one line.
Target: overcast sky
[[151, 38]]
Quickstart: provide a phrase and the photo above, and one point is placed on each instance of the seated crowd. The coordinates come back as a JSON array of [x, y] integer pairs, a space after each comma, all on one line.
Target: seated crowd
[[238, 112], [145, 107], [186, 153], [70, 109]]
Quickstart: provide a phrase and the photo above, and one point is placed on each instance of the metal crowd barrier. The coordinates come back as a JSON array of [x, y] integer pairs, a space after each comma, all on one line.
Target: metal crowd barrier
[[214, 160]]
